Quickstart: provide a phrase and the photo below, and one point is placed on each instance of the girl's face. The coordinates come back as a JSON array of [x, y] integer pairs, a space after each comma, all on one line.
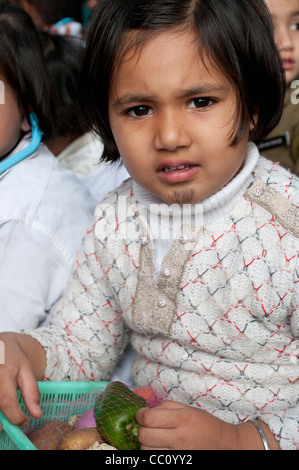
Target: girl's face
[[285, 15], [172, 119], [11, 121]]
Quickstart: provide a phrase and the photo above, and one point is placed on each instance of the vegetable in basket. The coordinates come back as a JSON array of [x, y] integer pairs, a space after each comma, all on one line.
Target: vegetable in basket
[[115, 415], [49, 435], [86, 420], [80, 439]]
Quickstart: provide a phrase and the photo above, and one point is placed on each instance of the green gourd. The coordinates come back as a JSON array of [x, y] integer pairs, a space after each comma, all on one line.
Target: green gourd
[[115, 416]]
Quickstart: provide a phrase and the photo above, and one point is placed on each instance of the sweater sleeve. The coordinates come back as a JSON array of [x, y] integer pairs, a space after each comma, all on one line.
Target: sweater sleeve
[[86, 334], [285, 422]]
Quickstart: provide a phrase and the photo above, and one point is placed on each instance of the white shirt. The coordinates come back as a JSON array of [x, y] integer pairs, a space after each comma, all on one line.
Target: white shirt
[[105, 179], [44, 213], [82, 156]]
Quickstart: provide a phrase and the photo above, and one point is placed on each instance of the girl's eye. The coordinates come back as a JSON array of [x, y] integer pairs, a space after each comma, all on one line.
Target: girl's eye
[[140, 111], [295, 27], [200, 103]]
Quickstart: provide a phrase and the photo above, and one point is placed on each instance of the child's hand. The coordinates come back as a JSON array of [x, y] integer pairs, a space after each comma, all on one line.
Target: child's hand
[[172, 425], [24, 363]]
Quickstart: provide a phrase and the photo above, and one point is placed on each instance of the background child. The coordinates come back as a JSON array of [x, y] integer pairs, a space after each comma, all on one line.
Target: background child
[[282, 144], [87, 9], [44, 209], [58, 16], [75, 147], [212, 308]]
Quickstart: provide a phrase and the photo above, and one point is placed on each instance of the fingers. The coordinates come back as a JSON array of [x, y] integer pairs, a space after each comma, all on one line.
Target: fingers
[[166, 415], [159, 427], [30, 392], [16, 372], [9, 405], [151, 438]]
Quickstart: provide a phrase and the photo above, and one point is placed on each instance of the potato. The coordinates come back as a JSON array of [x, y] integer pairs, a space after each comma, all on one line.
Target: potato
[[80, 439], [48, 436]]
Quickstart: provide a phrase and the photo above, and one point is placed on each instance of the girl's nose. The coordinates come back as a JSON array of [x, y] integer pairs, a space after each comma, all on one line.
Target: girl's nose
[[284, 38], [171, 132]]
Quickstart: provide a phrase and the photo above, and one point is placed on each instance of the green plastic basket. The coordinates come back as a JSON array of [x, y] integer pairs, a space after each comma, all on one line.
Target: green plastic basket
[[59, 400]]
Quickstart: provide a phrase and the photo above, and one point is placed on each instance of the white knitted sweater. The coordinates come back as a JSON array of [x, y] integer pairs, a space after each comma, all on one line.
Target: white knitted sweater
[[214, 317]]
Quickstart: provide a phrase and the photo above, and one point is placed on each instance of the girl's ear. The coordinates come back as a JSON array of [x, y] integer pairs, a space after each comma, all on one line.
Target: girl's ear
[[253, 122], [25, 126]]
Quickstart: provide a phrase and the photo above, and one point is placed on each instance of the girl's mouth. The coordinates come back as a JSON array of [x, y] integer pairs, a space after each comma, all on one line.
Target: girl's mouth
[[177, 174], [288, 64], [169, 169]]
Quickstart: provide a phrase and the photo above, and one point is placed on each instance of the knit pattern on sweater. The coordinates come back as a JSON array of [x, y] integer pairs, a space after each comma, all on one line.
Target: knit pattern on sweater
[[219, 329]]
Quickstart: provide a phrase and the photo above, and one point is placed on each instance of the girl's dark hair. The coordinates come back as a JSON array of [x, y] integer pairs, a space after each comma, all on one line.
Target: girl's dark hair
[[237, 36], [64, 57], [22, 65]]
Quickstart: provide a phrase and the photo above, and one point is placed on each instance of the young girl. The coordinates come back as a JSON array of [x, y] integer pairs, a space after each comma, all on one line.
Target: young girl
[[282, 144], [194, 260], [44, 210]]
